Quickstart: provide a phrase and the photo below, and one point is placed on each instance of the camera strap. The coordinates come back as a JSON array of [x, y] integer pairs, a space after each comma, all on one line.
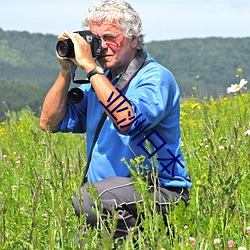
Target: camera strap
[[136, 64]]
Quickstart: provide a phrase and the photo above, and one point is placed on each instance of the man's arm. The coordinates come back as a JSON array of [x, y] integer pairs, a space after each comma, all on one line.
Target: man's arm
[[55, 103]]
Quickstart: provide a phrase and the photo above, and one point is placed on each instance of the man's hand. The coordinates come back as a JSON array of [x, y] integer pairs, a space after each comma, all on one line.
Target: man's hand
[[66, 63], [83, 54]]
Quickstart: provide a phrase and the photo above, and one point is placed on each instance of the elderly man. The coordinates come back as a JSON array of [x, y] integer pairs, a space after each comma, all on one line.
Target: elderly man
[[140, 100]]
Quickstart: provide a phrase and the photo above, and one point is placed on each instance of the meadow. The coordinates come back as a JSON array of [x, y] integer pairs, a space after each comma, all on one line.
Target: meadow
[[40, 172]]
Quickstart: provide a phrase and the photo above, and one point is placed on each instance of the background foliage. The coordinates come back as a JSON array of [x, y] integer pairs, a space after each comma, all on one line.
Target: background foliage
[[28, 66]]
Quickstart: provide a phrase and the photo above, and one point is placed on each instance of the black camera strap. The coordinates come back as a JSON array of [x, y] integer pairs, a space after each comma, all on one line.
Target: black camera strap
[[136, 64]]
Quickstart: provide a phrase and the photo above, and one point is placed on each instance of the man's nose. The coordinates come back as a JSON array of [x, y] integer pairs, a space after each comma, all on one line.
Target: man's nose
[[104, 44]]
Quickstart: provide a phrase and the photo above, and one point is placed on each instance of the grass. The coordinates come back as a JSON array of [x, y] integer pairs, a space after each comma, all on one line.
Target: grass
[[40, 172]]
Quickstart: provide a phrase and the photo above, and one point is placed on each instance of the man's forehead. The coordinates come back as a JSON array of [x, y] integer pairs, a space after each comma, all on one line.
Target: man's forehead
[[105, 26]]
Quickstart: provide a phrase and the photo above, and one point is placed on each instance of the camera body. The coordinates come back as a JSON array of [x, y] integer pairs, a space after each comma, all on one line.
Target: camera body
[[65, 48]]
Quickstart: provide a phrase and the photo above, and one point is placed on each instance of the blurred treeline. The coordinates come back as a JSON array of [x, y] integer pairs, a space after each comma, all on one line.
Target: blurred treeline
[[202, 67]]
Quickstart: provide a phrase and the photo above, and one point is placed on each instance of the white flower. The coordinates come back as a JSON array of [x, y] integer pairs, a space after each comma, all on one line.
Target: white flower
[[246, 133], [221, 147], [22, 210], [237, 87], [242, 248], [217, 241]]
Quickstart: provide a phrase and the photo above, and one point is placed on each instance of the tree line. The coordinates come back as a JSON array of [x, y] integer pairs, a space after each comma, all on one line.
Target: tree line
[[202, 67]]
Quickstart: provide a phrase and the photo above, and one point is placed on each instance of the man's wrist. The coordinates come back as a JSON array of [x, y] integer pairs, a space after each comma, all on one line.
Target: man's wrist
[[65, 73], [96, 70]]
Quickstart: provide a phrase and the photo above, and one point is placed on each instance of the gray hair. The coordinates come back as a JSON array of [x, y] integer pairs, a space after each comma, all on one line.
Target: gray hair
[[120, 13]]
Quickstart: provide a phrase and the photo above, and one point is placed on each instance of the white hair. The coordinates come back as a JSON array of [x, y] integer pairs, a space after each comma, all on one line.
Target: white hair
[[120, 13]]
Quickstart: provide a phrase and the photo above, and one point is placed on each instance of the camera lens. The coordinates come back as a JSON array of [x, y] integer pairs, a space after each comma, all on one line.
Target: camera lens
[[65, 48], [75, 95]]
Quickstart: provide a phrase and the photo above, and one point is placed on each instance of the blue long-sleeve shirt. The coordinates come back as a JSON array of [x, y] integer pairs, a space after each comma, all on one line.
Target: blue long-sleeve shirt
[[154, 96]]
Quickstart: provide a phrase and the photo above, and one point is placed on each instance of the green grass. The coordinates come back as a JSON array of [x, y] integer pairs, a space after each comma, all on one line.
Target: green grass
[[40, 172]]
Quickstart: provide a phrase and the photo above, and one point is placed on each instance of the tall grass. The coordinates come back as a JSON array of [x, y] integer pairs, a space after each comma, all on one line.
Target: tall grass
[[40, 172]]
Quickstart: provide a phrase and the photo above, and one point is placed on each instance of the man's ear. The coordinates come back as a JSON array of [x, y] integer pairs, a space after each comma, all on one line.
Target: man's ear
[[134, 42]]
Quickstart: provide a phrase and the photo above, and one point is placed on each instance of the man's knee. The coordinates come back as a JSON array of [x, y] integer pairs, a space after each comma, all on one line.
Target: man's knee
[[77, 206], [84, 205]]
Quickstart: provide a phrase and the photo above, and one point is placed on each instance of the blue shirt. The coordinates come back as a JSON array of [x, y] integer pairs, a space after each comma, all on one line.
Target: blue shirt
[[154, 96]]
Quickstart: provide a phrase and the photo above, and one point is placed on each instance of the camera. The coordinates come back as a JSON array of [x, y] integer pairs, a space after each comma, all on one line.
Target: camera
[[75, 95], [65, 48]]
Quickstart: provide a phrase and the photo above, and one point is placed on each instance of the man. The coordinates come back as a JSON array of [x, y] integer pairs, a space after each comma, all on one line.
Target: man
[[141, 100]]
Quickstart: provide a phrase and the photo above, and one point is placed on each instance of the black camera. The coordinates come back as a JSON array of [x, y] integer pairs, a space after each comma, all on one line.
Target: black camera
[[65, 48]]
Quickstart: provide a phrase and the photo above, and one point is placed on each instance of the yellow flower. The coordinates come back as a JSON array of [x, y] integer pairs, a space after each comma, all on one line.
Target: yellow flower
[[240, 70], [132, 162], [138, 160], [195, 105], [183, 113]]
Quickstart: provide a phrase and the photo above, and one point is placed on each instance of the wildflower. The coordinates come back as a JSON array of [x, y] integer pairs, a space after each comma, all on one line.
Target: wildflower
[[240, 70], [14, 188], [230, 244], [138, 160], [195, 105], [247, 133], [192, 240], [237, 87], [221, 147], [45, 216], [242, 248], [198, 182], [216, 241], [132, 162], [248, 230], [123, 160]]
